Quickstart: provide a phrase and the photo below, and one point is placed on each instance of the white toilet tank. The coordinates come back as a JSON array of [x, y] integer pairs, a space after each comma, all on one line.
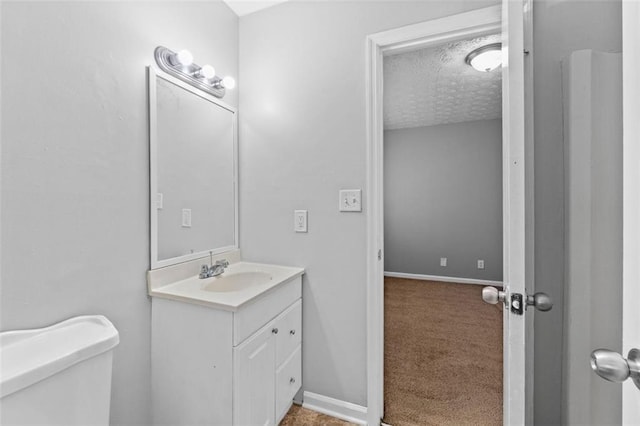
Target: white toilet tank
[[58, 375]]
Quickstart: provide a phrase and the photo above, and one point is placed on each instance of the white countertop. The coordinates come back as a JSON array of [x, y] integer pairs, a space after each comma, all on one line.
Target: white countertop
[[192, 289]]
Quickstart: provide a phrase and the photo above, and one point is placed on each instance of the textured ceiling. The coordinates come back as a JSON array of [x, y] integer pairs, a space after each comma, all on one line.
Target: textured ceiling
[[435, 86]]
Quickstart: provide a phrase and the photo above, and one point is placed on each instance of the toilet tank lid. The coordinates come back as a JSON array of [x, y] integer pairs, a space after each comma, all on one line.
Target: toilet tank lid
[[28, 356]]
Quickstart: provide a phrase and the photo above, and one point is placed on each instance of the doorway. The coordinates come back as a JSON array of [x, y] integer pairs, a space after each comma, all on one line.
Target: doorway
[[517, 164], [442, 234]]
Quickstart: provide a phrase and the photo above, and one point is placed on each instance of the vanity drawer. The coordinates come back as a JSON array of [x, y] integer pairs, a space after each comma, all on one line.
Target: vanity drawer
[[288, 381], [289, 325], [250, 318]]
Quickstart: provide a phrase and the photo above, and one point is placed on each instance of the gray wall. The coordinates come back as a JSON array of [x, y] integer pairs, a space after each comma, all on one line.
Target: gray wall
[[74, 163], [443, 198], [302, 138], [592, 94], [75, 186], [560, 27]]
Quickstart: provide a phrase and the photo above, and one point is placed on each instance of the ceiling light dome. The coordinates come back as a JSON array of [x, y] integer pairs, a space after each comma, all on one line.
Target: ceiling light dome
[[485, 58]]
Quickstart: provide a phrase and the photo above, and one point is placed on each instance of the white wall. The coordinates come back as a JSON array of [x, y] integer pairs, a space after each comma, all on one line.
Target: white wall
[[302, 138], [75, 185], [443, 198]]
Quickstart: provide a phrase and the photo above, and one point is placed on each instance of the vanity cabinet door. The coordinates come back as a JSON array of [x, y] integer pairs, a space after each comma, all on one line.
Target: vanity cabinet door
[[289, 336], [254, 381], [288, 382]]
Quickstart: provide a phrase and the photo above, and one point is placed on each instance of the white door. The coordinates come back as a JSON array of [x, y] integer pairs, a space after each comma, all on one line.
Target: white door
[[517, 163], [254, 380], [631, 194], [626, 366]]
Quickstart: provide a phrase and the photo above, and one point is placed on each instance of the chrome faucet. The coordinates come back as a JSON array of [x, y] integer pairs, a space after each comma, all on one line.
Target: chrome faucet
[[213, 269]]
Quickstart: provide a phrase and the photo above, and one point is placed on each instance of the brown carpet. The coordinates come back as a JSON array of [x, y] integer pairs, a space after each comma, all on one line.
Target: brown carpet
[[443, 355], [298, 416]]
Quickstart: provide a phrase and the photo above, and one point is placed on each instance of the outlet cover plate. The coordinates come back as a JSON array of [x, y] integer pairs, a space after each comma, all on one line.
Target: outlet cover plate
[[300, 220], [186, 218], [350, 200]]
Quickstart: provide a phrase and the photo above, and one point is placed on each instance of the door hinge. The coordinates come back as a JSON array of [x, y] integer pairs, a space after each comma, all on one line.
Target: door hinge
[[516, 304], [380, 254]]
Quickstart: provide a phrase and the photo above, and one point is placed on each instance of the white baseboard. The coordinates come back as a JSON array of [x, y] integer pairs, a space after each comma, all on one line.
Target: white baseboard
[[335, 408], [443, 279]]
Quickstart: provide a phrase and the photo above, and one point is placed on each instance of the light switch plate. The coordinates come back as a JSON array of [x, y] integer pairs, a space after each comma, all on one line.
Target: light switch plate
[[300, 220], [350, 200]]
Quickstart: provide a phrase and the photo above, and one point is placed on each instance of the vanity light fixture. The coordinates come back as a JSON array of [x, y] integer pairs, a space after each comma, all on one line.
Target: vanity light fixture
[[485, 58], [181, 65]]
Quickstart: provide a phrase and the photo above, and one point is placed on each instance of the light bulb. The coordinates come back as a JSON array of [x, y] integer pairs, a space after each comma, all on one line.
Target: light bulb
[[184, 57], [207, 71], [487, 61], [228, 82]]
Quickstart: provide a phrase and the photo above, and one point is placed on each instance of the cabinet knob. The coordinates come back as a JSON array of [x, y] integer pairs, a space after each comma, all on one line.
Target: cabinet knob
[[292, 380], [274, 331], [292, 332]]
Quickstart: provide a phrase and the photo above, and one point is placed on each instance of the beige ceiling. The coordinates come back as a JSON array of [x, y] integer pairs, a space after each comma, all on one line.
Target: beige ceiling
[[435, 86]]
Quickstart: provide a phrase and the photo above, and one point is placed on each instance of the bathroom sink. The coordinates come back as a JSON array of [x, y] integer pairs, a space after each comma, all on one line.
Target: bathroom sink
[[238, 281]]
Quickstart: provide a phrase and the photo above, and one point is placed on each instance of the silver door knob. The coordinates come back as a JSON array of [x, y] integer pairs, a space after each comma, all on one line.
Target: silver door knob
[[541, 301], [613, 367], [492, 295]]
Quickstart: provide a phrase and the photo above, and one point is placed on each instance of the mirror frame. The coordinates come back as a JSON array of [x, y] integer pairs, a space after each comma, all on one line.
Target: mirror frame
[[152, 74]]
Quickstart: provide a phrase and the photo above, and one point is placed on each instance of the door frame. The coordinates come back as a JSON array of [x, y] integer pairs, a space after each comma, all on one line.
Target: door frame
[[517, 402]]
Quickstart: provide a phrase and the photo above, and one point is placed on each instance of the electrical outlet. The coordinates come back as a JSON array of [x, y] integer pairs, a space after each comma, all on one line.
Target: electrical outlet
[[300, 220], [480, 264], [186, 218], [443, 261]]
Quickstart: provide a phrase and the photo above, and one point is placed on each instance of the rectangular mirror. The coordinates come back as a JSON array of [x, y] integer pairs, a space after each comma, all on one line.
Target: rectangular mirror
[[193, 167]]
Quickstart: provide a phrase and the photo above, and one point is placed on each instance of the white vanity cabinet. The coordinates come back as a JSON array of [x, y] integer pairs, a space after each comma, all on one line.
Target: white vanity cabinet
[[238, 366], [268, 369]]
